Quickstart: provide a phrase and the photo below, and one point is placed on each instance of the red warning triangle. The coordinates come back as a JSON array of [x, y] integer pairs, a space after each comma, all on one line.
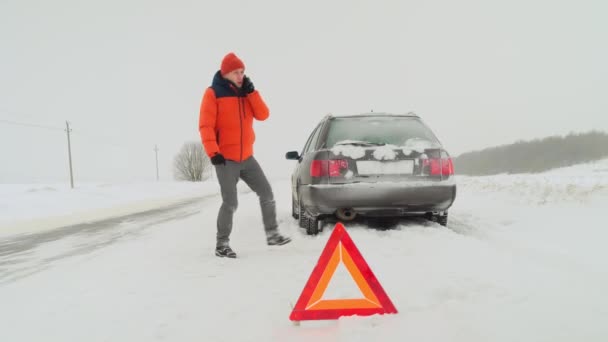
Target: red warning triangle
[[341, 248]]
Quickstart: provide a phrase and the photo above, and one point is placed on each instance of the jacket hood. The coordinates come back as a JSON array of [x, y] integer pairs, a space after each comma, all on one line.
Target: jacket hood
[[220, 82]]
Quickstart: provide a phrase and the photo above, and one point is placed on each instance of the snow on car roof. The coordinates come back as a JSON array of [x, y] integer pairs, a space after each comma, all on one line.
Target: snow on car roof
[[375, 114]]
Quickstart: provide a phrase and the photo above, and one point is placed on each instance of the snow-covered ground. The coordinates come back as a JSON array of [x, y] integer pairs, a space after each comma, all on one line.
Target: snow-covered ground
[[29, 208], [524, 260]]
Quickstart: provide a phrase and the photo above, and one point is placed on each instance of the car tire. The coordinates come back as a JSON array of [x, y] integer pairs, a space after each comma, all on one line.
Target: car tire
[[313, 226], [294, 213], [443, 220], [302, 217]]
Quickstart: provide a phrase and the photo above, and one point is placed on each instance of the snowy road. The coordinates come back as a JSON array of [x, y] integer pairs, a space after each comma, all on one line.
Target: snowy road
[[22, 255], [511, 268]]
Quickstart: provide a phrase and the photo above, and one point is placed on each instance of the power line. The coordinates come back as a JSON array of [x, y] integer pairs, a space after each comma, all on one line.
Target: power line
[[96, 139], [107, 141], [10, 111], [29, 125]]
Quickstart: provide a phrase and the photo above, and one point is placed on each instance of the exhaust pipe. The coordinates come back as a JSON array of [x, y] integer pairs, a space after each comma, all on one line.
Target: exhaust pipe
[[346, 214]]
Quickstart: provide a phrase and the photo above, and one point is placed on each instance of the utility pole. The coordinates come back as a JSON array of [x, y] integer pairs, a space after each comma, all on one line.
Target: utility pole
[[156, 150], [68, 130]]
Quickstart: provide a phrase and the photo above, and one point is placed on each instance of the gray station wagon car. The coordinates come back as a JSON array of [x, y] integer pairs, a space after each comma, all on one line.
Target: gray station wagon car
[[371, 165]]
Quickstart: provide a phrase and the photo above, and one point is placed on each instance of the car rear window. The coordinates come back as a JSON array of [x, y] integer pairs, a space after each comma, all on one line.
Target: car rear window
[[378, 130]]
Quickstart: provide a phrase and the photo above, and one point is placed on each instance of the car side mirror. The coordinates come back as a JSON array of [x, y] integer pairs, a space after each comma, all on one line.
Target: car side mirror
[[292, 155]]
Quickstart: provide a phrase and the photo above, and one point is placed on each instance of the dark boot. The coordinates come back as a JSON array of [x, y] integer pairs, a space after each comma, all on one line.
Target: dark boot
[[225, 252], [277, 239]]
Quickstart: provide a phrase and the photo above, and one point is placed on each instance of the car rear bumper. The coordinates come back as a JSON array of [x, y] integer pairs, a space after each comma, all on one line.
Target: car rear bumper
[[379, 199]]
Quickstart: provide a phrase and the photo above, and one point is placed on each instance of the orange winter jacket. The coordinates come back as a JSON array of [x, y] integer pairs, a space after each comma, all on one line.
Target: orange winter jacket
[[226, 120]]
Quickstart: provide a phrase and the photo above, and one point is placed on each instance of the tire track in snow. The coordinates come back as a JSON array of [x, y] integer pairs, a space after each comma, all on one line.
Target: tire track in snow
[[24, 255]]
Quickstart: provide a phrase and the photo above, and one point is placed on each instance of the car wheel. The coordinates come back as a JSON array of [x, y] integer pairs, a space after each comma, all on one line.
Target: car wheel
[[313, 226], [294, 213], [439, 218], [443, 220], [302, 218]]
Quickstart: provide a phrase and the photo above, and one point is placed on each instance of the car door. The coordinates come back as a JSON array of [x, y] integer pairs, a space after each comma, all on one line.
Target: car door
[[296, 175], [302, 171]]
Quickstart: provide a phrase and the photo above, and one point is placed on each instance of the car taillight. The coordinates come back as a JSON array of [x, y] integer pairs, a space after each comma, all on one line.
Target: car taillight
[[443, 166], [331, 168]]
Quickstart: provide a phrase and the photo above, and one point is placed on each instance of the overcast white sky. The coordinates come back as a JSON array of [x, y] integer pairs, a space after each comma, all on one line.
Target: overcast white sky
[[130, 74]]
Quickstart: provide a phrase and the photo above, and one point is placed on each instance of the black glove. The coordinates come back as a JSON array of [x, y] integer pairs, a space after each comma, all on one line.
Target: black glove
[[247, 86], [218, 159]]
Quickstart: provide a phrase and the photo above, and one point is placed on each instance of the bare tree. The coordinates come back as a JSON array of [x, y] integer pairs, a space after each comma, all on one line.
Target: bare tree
[[191, 163]]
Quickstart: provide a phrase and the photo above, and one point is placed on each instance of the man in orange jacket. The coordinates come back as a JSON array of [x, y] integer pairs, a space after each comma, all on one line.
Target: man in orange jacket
[[228, 108]]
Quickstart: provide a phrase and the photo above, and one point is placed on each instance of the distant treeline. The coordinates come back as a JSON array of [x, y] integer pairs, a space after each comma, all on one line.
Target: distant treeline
[[534, 156]]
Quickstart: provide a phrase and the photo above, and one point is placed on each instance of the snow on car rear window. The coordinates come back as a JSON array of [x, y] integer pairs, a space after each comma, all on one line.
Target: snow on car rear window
[[396, 131]]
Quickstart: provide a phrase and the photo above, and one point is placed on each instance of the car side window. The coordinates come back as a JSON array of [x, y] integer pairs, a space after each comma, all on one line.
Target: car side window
[[313, 141], [320, 136], [308, 142]]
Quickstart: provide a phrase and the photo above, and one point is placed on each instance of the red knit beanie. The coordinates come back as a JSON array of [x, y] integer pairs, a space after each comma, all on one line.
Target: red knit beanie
[[231, 62]]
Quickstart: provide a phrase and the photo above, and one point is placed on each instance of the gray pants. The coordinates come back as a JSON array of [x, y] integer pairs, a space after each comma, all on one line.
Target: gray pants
[[228, 176]]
